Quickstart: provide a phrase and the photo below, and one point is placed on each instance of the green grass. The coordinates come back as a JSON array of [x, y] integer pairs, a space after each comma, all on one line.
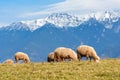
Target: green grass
[[108, 69]]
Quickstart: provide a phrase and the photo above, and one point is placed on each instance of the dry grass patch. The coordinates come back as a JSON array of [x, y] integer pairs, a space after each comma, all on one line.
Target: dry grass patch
[[108, 69]]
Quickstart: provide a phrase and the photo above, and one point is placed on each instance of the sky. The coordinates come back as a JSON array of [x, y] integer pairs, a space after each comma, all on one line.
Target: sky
[[20, 10]]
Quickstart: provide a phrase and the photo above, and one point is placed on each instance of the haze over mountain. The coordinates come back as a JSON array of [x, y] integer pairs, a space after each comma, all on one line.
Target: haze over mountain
[[40, 37]]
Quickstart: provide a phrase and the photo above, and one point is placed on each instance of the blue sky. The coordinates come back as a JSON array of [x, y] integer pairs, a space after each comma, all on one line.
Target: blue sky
[[15, 10], [19, 10]]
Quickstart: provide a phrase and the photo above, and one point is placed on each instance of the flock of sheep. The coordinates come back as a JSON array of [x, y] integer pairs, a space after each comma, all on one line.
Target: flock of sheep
[[61, 54]]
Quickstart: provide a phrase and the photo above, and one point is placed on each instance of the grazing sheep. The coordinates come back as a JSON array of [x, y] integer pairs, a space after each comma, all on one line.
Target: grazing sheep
[[50, 57], [21, 56], [9, 61], [88, 52], [62, 53]]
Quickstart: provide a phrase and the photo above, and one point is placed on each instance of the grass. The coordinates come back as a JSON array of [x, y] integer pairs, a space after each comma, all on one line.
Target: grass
[[108, 69]]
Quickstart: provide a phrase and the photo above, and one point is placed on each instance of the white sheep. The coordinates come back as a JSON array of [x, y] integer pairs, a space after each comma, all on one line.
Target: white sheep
[[88, 52], [62, 53], [9, 61], [21, 56]]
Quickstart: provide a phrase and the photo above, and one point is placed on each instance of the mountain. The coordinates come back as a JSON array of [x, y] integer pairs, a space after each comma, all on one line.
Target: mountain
[[40, 37]]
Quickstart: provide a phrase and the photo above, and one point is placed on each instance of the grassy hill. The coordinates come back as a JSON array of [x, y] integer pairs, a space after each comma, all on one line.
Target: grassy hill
[[108, 69]]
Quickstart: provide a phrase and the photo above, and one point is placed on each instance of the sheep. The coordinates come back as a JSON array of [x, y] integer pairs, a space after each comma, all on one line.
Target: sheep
[[50, 57], [88, 52], [22, 56], [62, 53], [9, 61]]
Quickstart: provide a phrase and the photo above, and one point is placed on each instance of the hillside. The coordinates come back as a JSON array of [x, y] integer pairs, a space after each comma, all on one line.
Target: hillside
[[105, 70]]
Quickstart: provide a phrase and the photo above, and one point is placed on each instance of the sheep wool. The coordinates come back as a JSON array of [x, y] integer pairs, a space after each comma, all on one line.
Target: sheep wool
[[21, 56], [50, 57], [62, 53], [88, 52], [9, 61]]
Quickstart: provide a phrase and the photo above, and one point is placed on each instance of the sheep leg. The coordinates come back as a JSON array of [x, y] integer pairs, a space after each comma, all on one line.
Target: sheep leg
[[48, 59], [62, 59], [16, 59], [79, 57], [24, 60], [86, 58], [90, 58], [87, 55], [58, 59], [55, 59], [70, 58]]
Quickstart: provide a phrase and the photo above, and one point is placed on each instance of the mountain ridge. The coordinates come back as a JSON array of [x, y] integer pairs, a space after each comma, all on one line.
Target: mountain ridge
[[61, 20]]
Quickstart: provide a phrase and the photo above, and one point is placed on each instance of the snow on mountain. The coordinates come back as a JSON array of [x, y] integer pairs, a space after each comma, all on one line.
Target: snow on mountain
[[16, 26], [58, 19], [34, 24], [66, 20], [63, 20], [103, 16], [106, 18]]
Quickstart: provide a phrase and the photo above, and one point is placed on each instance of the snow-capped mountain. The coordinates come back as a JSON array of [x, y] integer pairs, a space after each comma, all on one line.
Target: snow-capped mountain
[[34, 24], [41, 36], [66, 20], [63, 20]]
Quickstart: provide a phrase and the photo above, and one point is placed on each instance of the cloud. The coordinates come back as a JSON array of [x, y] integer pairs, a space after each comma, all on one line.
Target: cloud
[[3, 24], [78, 6]]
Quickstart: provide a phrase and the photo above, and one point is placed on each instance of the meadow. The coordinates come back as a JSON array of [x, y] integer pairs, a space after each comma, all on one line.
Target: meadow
[[107, 69]]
